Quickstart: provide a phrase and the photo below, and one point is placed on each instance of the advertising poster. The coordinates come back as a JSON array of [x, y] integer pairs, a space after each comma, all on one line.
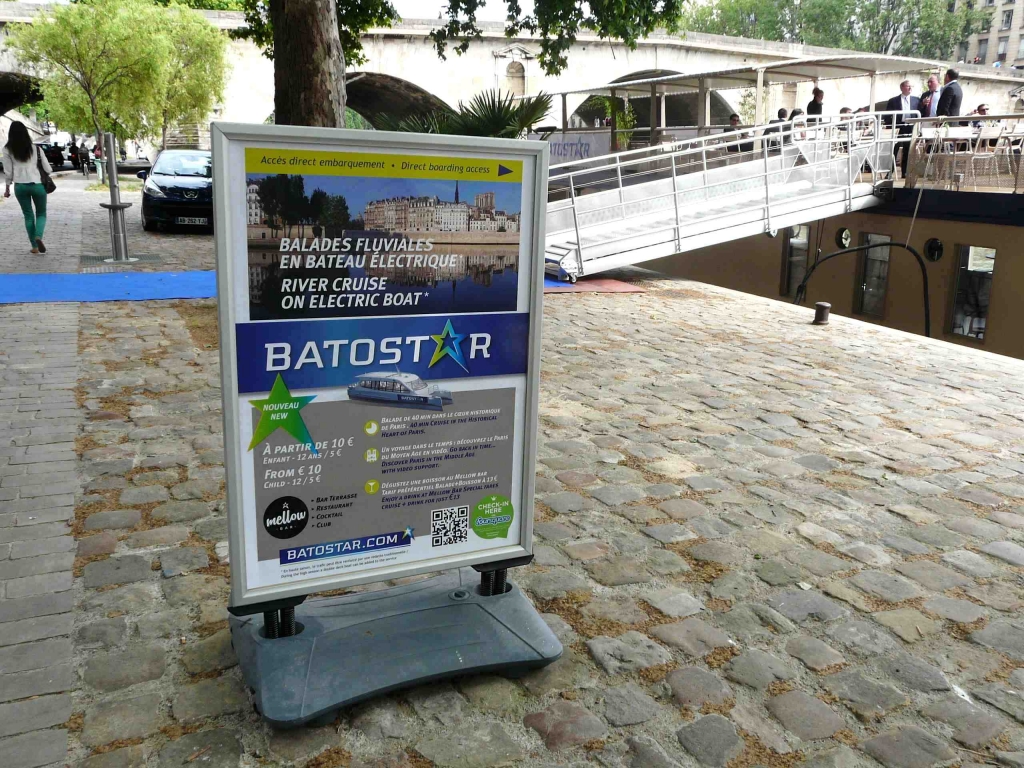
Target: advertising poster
[[382, 357]]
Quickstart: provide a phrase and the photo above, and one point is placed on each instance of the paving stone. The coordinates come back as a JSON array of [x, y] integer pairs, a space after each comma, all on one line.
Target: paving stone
[[645, 752], [747, 621], [732, 586], [801, 605], [692, 636], [567, 673], [627, 653], [863, 638], [905, 546], [380, 719], [809, 718], [628, 705], [116, 570], [814, 653], [478, 746], [866, 698], [34, 714], [960, 611], [143, 495], [979, 496], [914, 673], [212, 653], [1007, 696], [666, 563], [1006, 551], [209, 698], [1002, 597], [819, 563], [440, 702], [979, 529], [758, 669], [706, 483], [158, 537], [909, 747], [117, 518], [38, 748], [617, 571], [682, 509], [885, 586], [710, 527], [937, 536], [694, 687], [841, 757], [181, 511], [712, 740], [915, 515], [616, 495], [565, 724], [175, 562], [778, 573], [866, 553], [168, 623], [669, 533], [1009, 519], [971, 563], [492, 694], [717, 552], [122, 718], [933, 576], [1003, 636], [972, 726], [621, 608], [219, 748], [553, 531], [674, 602], [121, 669], [908, 623], [818, 535], [97, 544], [548, 585], [587, 549]]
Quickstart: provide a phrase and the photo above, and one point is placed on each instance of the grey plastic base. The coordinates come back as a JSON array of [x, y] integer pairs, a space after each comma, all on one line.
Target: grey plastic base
[[355, 647]]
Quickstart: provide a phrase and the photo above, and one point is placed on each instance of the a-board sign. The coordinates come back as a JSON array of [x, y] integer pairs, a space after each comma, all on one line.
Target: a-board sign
[[379, 307]]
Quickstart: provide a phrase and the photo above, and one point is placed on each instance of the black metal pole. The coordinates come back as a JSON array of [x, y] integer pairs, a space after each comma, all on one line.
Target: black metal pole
[[288, 622], [271, 626], [801, 291]]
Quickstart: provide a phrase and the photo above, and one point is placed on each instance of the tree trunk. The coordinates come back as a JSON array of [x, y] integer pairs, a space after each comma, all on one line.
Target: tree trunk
[[309, 66]]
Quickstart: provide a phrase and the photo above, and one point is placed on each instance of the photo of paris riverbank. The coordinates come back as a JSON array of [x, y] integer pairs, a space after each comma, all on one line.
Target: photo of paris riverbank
[[430, 246]]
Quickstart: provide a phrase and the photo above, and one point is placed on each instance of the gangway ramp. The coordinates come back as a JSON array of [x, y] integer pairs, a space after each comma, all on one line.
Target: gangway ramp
[[630, 207]]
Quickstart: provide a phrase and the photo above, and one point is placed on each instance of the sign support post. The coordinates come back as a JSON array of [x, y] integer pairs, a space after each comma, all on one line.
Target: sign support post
[[380, 310]]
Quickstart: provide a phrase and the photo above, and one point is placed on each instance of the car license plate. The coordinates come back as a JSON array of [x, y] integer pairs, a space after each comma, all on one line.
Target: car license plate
[[192, 220]]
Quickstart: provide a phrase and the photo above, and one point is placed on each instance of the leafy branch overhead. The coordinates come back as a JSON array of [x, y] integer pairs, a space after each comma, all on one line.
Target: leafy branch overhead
[[559, 22]]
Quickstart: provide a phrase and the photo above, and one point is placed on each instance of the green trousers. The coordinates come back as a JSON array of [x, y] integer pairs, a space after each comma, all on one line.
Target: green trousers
[[35, 222]]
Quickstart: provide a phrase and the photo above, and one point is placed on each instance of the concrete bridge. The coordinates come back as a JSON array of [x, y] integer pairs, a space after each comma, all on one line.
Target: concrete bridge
[[403, 73]]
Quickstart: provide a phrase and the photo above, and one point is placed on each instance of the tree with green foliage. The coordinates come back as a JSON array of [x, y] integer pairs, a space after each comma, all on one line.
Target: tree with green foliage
[[102, 63], [922, 28], [311, 40], [206, 5], [196, 68]]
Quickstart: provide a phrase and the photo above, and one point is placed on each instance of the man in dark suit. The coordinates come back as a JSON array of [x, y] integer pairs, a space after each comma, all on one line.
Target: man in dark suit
[[775, 126], [904, 104], [814, 106], [952, 96]]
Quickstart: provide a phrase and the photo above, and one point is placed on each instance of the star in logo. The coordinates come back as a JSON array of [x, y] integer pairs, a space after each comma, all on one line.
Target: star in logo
[[448, 344], [281, 411], [408, 534]]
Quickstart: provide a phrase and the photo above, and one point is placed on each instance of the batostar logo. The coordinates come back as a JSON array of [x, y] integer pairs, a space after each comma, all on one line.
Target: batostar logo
[[390, 350]]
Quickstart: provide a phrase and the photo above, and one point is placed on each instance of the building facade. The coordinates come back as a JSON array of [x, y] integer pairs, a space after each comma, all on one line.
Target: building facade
[[431, 214], [1002, 44], [254, 211]]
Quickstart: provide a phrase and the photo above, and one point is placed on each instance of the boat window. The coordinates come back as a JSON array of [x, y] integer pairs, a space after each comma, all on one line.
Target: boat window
[[973, 291], [874, 276], [416, 383]]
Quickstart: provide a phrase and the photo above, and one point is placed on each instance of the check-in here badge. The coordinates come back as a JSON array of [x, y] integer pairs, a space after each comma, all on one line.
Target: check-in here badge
[[380, 316]]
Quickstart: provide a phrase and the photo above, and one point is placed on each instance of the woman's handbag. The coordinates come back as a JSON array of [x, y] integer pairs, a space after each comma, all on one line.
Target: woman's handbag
[[48, 184]]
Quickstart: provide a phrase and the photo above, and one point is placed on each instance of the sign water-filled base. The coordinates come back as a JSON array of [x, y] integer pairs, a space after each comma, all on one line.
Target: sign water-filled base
[[352, 648]]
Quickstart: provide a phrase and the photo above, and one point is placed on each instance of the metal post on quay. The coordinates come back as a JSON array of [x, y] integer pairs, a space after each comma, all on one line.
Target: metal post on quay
[[118, 232]]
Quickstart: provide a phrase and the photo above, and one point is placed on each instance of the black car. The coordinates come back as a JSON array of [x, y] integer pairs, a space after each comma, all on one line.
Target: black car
[[54, 155], [178, 190]]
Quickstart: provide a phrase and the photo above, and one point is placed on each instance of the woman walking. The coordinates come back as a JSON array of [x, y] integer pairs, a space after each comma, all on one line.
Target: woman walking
[[22, 163]]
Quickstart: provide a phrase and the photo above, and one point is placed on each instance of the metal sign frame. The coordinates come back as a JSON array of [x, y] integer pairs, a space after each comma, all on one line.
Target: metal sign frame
[[229, 141]]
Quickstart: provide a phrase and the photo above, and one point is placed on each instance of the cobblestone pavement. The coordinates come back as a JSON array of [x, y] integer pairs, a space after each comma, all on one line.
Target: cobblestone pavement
[[78, 227], [762, 542]]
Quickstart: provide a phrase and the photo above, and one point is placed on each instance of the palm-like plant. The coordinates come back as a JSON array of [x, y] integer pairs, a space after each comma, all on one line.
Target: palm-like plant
[[490, 113]]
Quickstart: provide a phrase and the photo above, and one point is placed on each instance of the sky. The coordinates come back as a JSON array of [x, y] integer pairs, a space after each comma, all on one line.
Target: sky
[[359, 190]]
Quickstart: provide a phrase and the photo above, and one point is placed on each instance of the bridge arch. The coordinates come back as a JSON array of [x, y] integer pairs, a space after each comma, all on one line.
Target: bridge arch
[[373, 95]]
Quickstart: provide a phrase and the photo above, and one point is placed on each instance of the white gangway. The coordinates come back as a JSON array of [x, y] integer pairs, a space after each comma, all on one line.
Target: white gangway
[[630, 207]]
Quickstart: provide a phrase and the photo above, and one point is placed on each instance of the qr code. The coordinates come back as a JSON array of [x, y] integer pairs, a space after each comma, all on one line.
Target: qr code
[[449, 526]]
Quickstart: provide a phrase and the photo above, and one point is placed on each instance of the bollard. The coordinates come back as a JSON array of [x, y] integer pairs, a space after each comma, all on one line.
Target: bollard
[[821, 310], [118, 232]]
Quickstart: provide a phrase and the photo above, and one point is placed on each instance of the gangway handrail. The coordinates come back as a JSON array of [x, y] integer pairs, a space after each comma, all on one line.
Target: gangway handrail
[[812, 143]]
